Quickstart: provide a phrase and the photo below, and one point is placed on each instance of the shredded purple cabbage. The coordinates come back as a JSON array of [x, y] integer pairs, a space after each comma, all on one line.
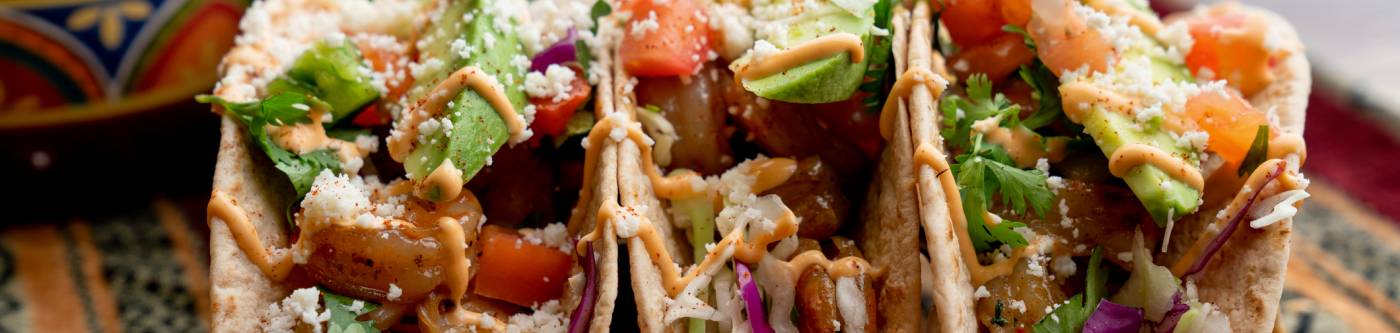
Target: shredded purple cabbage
[[753, 301], [1173, 315], [1111, 317], [583, 314], [561, 52], [1219, 241]]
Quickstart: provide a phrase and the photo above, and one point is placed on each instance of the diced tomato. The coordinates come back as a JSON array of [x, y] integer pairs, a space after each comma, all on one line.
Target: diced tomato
[[1231, 45], [972, 22], [551, 116], [665, 39], [998, 59], [383, 59], [371, 117], [514, 270], [1231, 122], [1015, 12]]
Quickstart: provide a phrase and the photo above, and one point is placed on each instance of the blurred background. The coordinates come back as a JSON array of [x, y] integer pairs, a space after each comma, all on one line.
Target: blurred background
[[106, 163]]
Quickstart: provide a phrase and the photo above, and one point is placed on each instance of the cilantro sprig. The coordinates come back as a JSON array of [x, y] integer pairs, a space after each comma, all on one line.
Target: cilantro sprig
[[281, 109], [1070, 316], [985, 172], [344, 314], [959, 113], [582, 52], [1045, 90], [878, 69], [1258, 151]]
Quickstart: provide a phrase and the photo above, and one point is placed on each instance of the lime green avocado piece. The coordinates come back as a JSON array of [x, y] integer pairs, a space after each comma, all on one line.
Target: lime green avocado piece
[[332, 72], [477, 130], [832, 79], [1112, 130], [1161, 194]]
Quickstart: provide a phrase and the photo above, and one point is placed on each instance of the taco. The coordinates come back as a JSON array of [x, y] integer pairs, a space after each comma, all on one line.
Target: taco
[[413, 166], [1097, 168], [756, 190]]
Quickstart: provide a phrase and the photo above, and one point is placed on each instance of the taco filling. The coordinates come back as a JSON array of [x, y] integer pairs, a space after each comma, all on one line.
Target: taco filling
[[758, 127], [433, 152], [1098, 158]]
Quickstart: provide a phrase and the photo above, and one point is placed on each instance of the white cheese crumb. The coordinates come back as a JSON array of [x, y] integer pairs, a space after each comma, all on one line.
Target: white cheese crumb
[[1017, 305], [394, 292], [981, 292], [556, 82], [641, 28]]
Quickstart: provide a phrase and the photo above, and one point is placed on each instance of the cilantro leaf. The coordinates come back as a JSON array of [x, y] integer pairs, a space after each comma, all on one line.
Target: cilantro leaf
[[878, 69], [986, 172], [1070, 316], [959, 113], [1258, 151], [600, 8], [584, 54], [1025, 37], [1045, 89], [343, 317], [280, 109]]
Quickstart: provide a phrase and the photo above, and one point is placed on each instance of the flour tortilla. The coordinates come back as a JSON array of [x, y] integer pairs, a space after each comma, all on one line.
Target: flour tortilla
[[240, 293], [1245, 279], [883, 233]]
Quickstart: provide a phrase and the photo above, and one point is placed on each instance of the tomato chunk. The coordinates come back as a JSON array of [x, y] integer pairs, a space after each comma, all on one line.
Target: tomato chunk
[[665, 39], [972, 22], [998, 59], [516, 271], [371, 116], [1231, 122], [1232, 46], [551, 115]]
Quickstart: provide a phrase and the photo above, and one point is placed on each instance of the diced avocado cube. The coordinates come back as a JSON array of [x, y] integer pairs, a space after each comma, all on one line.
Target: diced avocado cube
[[334, 73], [1112, 130], [832, 79], [477, 130]]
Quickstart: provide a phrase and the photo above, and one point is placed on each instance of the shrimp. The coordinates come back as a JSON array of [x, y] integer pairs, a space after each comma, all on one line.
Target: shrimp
[[1063, 39], [367, 263]]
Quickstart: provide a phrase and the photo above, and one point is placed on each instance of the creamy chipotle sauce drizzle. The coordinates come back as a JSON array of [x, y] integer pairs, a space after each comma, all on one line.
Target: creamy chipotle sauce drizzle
[[1133, 155], [274, 267], [436, 100], [446, 179], [767, 174], [903, 86], [812, 50], [1021, 143], [302, 138]]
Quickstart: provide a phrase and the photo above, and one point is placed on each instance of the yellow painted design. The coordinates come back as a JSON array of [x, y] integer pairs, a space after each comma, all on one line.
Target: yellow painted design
[[109, 17]]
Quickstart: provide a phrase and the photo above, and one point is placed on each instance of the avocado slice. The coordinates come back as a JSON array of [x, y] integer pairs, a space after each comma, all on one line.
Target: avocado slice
[[1112, 130], [477, 130], [332, 72], [832, 79]]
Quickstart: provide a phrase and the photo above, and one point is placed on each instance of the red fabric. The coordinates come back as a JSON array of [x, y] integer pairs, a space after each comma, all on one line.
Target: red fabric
[[1353, 151]]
